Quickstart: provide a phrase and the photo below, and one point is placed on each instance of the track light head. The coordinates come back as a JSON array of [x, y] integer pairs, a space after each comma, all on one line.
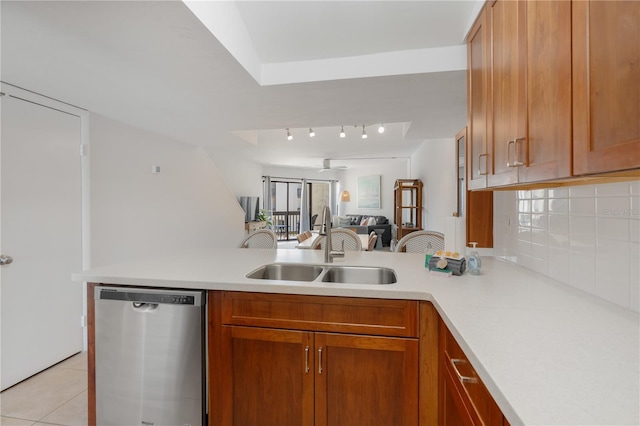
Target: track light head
[[342, 133], [289, 136], [381, 128], [364, 133], [311, 132]]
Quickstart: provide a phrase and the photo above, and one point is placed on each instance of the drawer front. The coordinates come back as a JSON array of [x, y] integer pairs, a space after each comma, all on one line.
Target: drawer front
[[321, 313], [478, 402]]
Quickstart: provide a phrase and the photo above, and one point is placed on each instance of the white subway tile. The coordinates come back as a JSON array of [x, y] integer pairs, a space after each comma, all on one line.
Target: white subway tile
[[558, 192], [559, 206], [608, 248], [524, 194], [582, 191], [634, 231], [559, 264], [524, 206], [617, 229], [612, 281], [540, 251], [635, 187], [582, 272], [582, 225], [539, 193], [634, 276], [524, 233], [558, 224], [539, 236], [538, 206], [540, 221], [524, 219], [635, 208], [558, 240], [618, 207], [540, 265], [583, 244], [525, 260], [582, 206], [611, 189]]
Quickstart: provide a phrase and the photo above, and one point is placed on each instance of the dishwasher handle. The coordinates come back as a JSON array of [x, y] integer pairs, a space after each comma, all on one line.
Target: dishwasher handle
[[144, 307]]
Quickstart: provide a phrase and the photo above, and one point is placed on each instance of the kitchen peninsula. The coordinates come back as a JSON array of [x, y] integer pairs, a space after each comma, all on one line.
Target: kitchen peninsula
[[547, 353]]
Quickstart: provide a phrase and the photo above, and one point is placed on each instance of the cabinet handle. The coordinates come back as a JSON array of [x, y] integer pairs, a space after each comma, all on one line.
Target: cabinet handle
[[306, 359], [463, 379], [486, 157], [319, 360], [516, 163]]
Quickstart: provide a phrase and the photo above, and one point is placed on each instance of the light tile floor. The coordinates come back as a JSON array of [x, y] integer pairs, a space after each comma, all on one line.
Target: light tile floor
[[56, 396]]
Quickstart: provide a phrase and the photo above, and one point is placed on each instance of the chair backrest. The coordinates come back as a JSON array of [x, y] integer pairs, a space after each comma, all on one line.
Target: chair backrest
[[419, 242], [303, 236], [372, 241], [338, 236], [260, 239]]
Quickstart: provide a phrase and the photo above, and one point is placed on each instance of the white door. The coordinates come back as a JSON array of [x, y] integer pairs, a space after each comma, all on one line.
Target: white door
[[40, 228]]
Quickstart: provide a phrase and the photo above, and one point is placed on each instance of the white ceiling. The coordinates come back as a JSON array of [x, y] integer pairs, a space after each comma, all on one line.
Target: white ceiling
[[236, 80]]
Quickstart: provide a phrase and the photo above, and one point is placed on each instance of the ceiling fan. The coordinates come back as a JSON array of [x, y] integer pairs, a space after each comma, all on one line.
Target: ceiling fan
[[326, 166]]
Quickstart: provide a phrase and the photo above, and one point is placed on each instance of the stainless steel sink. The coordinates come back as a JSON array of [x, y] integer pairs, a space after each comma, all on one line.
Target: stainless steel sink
[[359, 275], [287, 272], [324, 273]]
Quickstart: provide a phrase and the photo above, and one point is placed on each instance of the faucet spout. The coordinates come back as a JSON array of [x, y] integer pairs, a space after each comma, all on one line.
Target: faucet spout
[[325, 229]]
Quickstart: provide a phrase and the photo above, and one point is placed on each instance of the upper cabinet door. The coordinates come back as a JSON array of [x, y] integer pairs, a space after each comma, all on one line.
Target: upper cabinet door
[[478, 95], [507, 124], [606, 86], [545, 153]]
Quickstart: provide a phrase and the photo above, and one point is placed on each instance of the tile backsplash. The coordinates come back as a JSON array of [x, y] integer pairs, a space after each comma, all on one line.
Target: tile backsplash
[[587, 236]]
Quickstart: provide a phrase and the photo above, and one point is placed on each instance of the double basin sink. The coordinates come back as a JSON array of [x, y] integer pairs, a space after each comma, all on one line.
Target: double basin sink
[[324, 273]]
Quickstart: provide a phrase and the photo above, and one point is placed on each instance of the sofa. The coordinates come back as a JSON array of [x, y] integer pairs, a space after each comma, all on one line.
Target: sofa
[[381, 223]]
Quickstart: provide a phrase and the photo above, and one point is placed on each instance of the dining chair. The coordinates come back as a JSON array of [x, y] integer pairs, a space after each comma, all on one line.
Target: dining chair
[[420, 241], [260, 239], [372, 241], [340, 239], [303, 236]]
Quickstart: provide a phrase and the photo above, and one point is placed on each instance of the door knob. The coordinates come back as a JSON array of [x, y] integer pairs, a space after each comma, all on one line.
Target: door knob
[[5, 260]]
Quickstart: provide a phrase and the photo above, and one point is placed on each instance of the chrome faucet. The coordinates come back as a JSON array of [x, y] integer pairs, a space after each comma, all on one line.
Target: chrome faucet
[[325, 230]]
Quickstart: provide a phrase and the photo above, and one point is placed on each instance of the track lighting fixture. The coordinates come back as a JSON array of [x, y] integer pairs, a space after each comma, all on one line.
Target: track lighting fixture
[[289, 137], [342, 133], [381, 128], [364, 133], [311, 132]]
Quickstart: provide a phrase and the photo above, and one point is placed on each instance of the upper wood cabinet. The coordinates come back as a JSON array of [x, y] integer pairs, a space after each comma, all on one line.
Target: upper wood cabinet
[[530, 91], [478, 96], [563, 90], [606, 86]]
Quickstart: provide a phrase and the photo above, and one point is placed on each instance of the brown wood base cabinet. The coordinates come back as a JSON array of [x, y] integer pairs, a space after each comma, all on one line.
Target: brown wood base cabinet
[[464, 400], [312, 360]]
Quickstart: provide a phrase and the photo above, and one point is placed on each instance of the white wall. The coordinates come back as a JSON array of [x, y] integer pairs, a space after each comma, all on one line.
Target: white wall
[[587, 237], [435, 163], [243, 178], [136, 214], [389, 171]]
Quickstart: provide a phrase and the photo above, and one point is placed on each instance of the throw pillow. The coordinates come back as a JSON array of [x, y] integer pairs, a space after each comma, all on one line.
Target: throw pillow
[[371, 221]]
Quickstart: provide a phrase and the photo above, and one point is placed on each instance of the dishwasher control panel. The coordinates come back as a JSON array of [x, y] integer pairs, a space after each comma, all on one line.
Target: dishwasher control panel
[[170, 297]]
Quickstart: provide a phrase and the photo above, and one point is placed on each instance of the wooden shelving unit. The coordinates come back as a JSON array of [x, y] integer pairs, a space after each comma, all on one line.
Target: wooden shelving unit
[[407, 214]]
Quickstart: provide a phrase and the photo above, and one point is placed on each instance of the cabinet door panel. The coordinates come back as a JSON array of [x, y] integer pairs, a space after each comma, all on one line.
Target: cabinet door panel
[[478, 82], [366, 380], [547, 147], [606, 84], [271, 385], [507, 89]]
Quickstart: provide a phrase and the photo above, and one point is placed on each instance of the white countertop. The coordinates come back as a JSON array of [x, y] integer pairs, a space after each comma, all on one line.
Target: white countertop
[[549, 354]]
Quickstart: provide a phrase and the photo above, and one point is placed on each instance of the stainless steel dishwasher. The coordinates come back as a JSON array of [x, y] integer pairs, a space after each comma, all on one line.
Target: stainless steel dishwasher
[[149, 357]]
